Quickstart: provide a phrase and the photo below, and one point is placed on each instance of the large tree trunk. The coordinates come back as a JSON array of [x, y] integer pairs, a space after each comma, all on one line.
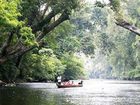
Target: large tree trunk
[[6, 44], [19, 50]]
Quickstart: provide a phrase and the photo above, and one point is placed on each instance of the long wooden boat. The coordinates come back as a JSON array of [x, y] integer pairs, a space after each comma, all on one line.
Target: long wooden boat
[[69, 85]]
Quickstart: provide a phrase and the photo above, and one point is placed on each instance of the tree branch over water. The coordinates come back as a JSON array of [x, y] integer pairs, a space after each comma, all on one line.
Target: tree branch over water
[[129, 27]]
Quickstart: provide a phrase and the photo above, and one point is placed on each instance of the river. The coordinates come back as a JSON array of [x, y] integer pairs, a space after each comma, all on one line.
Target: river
[[94, 92]]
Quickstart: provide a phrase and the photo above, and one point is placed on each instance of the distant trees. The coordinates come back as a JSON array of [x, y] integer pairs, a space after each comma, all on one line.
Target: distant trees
[[118, 44]]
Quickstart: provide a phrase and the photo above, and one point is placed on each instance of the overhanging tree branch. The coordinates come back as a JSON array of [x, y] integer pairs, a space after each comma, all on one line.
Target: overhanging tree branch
[[45, 21], [129, 27], [45, 26], [121, 22], [50, 27]]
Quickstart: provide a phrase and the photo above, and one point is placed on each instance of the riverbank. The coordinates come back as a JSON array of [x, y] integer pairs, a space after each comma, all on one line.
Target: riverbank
[[3, 84]]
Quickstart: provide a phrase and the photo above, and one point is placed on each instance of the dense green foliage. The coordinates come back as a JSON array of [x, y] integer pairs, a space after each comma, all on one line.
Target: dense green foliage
[[74, 67], [41, 66], [39, 39], [33, 38]]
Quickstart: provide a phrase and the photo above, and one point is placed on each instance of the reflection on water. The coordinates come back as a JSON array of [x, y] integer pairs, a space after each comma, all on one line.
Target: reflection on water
[[28, 96], [94, 92]]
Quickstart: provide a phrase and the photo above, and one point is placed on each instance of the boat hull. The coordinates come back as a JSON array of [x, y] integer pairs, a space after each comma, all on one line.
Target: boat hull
[[69, 86]]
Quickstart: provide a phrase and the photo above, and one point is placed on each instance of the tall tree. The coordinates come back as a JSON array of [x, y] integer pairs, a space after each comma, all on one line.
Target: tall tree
[[25, 23]]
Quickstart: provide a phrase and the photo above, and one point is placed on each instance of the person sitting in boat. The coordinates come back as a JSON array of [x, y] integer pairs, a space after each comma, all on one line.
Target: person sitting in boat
[[67, 83], [59, 78], [80, 82]]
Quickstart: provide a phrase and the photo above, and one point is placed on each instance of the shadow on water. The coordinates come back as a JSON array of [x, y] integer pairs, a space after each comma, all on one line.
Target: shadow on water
[[29, 96]]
